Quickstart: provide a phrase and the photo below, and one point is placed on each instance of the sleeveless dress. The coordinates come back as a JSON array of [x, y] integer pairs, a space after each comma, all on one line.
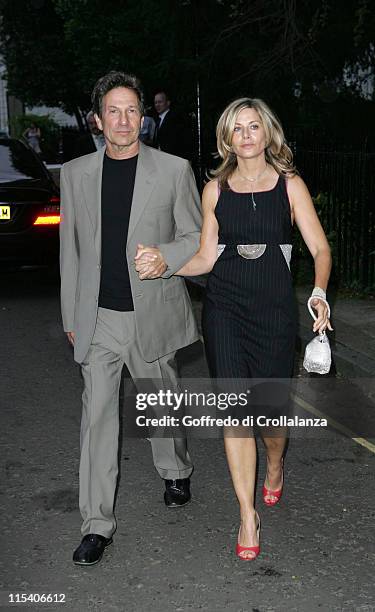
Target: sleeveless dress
[[249, 314]]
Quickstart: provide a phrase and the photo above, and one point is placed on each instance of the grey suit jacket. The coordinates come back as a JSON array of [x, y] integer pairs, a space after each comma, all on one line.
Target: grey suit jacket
[[165, 212]]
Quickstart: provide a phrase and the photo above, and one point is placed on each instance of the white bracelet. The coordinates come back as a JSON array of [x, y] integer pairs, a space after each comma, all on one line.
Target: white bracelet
[[319, 292]]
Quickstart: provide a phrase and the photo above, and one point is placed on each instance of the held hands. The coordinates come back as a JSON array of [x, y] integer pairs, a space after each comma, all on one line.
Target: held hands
[[322, 322], [149, 262]]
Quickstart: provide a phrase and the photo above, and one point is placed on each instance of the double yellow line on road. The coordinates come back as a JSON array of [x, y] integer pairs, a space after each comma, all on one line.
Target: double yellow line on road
[[335, 424]]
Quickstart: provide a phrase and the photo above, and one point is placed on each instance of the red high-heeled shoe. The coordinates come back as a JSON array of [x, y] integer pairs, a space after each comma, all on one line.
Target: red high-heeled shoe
[[275, 494], [255, 549]]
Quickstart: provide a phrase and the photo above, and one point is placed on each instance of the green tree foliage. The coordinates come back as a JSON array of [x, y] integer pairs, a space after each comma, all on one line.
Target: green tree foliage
[[294, 54], [143, 37], [41, 67]]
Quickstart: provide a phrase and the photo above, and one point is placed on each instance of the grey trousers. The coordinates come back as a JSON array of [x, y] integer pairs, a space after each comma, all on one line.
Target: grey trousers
[[115, 344]]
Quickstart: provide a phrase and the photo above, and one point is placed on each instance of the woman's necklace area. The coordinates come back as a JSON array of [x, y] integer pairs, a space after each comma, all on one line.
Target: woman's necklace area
[[253, 179]]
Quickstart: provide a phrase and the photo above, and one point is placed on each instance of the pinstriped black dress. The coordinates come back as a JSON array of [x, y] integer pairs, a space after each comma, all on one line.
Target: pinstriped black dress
[[249, 315]]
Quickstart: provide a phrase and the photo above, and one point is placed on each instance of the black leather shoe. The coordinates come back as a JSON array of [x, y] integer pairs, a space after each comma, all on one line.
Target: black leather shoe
[[177, 492], [90, 550]]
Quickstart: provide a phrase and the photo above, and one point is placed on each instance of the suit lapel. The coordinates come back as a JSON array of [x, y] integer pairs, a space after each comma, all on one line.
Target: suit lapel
[[145, 181], [92, 190]]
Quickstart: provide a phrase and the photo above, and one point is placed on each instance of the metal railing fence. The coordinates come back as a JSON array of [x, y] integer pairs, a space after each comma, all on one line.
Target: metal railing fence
[[342, 183]]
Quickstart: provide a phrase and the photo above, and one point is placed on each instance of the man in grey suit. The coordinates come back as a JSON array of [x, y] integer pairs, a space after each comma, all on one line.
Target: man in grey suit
[[114, 201]]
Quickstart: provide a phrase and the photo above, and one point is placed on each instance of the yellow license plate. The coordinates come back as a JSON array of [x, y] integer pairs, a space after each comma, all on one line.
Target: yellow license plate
[[4, 213]]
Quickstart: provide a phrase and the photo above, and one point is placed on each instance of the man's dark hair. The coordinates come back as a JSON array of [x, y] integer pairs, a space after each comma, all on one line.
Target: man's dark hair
[[163, 91], [110, 81]]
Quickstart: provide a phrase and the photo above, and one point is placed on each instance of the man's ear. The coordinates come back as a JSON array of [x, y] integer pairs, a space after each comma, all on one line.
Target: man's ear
[[98, 122]]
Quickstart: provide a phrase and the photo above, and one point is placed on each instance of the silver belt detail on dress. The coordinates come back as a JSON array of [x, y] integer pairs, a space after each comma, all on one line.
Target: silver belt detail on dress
[[253, 251]]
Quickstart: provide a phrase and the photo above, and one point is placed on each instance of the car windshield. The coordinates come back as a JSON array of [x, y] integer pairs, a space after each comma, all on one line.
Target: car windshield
[[18, 163]]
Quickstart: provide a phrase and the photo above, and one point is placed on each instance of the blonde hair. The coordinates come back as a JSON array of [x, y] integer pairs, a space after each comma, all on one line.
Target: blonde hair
[[277, 152]]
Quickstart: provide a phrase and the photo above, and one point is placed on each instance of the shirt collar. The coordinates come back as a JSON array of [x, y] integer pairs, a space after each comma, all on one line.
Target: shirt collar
[[162, 115]]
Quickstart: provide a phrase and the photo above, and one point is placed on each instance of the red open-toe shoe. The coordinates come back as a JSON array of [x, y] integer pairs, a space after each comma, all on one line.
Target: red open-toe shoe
[[255, 549], [275, 494]]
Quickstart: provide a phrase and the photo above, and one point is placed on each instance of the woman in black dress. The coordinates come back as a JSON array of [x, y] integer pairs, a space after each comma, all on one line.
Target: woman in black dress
[[249, 319]]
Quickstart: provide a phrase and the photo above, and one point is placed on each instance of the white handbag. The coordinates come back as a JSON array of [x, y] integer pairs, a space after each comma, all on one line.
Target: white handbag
[[317, 358]]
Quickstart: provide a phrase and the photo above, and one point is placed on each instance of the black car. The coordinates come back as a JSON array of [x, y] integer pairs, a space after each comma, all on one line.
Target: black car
[[29, 208]]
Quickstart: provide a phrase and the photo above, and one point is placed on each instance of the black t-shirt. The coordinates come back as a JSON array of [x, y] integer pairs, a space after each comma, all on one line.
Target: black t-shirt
[[117, 194]]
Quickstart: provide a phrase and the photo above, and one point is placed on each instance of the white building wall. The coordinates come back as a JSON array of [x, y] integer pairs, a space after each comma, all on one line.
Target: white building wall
[[55, 113]]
